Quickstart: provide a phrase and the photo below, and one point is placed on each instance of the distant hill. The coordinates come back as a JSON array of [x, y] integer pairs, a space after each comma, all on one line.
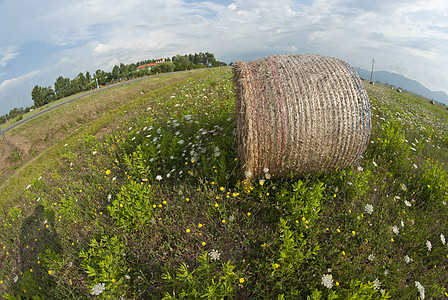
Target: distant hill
[[404, 83]]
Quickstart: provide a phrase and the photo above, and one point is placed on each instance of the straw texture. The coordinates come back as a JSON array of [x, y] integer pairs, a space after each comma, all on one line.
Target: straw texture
[[299, 114]]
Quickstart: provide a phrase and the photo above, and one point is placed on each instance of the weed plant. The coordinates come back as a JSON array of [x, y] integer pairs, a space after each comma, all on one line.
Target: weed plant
[[157, 208]]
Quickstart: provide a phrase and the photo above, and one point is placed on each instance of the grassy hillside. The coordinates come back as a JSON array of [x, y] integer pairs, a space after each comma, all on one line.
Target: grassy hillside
[[30, 139], [147, 202]]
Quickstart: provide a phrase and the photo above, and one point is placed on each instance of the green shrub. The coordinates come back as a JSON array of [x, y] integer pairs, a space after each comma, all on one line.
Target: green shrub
[[132, 209]]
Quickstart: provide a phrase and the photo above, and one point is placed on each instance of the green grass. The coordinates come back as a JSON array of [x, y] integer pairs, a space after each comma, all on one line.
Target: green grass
[[147, 202]]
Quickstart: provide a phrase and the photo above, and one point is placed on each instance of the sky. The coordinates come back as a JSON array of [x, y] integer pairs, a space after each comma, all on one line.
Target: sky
[[42, 40]]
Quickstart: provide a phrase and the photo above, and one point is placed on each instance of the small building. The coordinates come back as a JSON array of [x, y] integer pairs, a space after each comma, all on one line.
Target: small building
[[149, 66]]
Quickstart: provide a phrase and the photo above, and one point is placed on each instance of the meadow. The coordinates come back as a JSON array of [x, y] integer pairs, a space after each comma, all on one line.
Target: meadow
[[148, 202]]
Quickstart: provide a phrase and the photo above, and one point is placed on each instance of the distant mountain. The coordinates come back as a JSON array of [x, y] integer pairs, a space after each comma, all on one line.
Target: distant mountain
[[404, 83]]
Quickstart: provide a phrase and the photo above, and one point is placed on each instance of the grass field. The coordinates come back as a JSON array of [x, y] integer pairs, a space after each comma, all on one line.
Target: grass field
[[147, 201]]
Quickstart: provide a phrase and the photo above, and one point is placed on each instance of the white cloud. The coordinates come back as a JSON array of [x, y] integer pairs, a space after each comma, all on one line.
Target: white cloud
[[14, 82], [7, 54]]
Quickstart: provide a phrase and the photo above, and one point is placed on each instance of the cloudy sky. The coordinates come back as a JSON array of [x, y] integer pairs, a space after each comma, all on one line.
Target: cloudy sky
[[41, 40]]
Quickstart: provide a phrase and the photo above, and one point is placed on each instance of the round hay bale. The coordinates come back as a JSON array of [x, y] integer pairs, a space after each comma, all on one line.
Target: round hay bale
[[299, 114]]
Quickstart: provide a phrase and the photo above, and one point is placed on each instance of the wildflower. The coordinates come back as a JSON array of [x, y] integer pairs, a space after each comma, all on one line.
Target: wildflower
[[263, 245], [395, 229], [261, 182], [374, 163], [429, 245], [222, 189], [360, 169], [442, 238], [107, 172], [16, 278], [371, 257], [188, 230], [159, 177], [403, 187], [49, 272], [216, 204], [214, 254], [402, 223], [223, 221], [98, 289], [248, 174], [327, 281], [376, 284], [368, 208], [241, 280], [407, 203], [248, 214], [109, 197], [28, 186], [204, 243], [407, 259], [421, 289]]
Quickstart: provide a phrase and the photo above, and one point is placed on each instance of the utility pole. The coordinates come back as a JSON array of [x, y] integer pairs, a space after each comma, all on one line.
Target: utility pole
[[371, 73]]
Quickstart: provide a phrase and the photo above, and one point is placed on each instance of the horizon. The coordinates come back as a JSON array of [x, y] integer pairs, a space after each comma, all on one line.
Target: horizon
[[42, 44]]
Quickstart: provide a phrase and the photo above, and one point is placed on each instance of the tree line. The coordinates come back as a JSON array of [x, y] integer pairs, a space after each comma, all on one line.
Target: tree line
[[64, 87]]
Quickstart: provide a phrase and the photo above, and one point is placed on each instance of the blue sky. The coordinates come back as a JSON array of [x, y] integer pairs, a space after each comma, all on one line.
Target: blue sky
[[41, 40]]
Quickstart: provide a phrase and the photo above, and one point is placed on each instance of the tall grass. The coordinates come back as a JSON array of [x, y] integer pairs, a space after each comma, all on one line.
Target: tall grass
[[155, 208]]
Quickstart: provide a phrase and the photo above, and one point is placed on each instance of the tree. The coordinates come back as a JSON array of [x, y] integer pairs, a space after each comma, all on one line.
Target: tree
[[62, 87], [42, 95]]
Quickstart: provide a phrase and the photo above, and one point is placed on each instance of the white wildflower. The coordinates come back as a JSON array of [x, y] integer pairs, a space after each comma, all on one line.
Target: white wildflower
[[159, 177], [421, 289], [402, 223], [397, 197], [16, 278], [109, 197], [395, 229], [368, 208], [442, 238], [404, 187], [181, 142], [214, 254], [127, 277], [267, 176], [327, 281], [407, 203], [429, 245], [266, 170], [374, 163], [98, 289], [415, 166], [407, 259], [248, 174], [94, 152], [28, 186], [376, 284], [371, 257], [360, 169]]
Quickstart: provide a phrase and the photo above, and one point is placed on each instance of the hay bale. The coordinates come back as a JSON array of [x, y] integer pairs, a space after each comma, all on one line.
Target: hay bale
[[299, 114]]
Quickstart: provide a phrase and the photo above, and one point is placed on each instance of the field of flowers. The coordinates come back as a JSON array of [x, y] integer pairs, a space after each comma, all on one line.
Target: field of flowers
[[156, 207]]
